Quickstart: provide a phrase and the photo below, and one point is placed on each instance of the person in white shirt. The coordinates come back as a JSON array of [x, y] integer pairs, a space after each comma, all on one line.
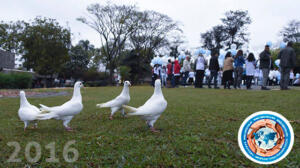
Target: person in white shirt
[[156, 73], [186, 68], [291, 77], [250, 70], [163, 73], [200, 64], [191, 77]]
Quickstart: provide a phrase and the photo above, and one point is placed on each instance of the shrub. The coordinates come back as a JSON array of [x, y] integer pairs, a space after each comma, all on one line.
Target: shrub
[[96, 83], [15, 81], [94, 76], [125, 72]]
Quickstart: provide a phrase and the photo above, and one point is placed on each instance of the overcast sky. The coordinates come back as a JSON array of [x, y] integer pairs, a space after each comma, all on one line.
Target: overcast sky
[[196, 16]]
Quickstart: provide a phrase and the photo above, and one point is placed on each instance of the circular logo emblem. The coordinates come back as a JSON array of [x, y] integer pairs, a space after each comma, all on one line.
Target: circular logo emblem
[[266, 137]]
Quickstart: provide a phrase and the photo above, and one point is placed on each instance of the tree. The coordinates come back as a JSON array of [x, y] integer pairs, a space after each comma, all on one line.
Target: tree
[[213, 39], [114, 24], [10, 36], [136, 60], [46, 45], [153, 30], [151, 35], [296, 46], [80, 56], [235, 26], [291, 32]]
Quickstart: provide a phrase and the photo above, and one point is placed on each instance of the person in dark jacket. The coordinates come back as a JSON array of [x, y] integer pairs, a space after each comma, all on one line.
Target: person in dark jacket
[[287, 58], [265, 66], [214, 68], [239, 62]]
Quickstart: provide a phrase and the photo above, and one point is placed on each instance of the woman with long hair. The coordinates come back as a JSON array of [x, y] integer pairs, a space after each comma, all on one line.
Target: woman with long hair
[[250, 69], [228, 70]]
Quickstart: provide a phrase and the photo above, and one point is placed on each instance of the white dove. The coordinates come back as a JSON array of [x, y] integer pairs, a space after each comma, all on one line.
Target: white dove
[[116, 104], [27, 112], [152, 109], [66, 111]]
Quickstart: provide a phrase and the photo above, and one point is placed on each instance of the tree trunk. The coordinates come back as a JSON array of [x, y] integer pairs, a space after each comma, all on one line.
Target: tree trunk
[[111, 75]]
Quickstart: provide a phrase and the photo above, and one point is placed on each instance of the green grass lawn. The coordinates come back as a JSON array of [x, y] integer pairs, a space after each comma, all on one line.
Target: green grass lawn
[[199, 128]]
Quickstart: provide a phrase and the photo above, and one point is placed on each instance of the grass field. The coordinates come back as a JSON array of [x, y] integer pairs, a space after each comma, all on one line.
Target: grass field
[[199, 129]]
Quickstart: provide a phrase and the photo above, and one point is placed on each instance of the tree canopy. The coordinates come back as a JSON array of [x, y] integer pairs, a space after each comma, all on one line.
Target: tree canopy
[[46, 45]]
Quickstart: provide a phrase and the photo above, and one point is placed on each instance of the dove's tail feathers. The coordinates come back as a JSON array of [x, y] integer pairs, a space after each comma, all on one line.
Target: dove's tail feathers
[[130, 109], [47, 116], [100, 105], [44, 108], [104, 105]]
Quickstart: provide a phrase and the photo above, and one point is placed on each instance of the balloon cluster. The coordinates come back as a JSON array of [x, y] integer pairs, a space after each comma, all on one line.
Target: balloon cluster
[[221, 58], [269, 43], [282, 45], [156, 60], [181, 56], [277, 62], [200, 51], [208, 52], [233, 49]]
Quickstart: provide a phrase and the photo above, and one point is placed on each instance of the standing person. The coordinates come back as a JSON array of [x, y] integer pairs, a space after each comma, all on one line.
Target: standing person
[[176, 73], [156, 73], [239, 62], [287, 58], [163, 76], [265, 66], [228, 70], [200, 67], [250, 70], [214, 68], [191, 77], [170, 73], [291, 77], [186, 69]]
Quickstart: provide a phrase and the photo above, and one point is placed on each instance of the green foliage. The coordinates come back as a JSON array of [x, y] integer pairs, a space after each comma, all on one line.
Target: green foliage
[[46, 46], [198, 129], [93, 75], [125, 72], [296, 46], [80, 56], [235, 26], [15, 81], [274, 56], [11, 36], [291, 32], [233, 30], [138, 63]]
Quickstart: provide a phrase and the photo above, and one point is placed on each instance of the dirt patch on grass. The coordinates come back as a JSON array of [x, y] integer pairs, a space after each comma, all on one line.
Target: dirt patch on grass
[[15, 93]]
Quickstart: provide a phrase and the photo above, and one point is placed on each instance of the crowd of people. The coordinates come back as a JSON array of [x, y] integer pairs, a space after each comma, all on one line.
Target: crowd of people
[[237, 70]]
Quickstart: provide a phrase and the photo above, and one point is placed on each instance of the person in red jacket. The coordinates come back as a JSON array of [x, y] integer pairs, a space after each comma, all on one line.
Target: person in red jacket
[[170, 73], [176, 73]]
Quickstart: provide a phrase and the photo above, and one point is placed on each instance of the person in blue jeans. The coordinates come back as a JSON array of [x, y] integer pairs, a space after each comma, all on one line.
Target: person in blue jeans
[[214, 68], [239, 62]]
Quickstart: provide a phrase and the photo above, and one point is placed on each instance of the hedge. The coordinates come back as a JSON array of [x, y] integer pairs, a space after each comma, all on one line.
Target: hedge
[[15, 81]]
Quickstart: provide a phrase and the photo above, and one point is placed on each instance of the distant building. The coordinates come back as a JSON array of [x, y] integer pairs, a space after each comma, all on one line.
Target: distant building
[[7, 60]]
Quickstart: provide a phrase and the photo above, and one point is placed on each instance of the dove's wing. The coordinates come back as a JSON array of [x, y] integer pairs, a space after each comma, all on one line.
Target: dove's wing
[[28, 113], [151, 108], [117, 102]]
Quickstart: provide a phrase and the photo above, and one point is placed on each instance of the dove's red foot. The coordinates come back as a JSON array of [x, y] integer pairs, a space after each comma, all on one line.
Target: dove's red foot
[[69, 129], [111, 117], [154, 130]]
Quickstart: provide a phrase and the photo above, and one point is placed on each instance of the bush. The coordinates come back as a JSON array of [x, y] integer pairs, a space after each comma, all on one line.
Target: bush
[[96, 83], [15, 81], [125, 72], [94, 76]]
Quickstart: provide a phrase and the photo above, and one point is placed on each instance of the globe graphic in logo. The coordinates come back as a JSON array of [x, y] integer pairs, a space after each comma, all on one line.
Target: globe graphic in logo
[[265, 138]]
